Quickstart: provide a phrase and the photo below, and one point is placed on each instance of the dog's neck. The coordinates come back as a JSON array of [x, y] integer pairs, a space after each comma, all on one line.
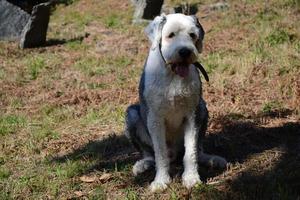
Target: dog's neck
[[155, 63]]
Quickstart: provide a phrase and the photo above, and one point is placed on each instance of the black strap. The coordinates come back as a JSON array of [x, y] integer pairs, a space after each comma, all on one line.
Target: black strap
[[159, 48], [202, 70], [160, 40]]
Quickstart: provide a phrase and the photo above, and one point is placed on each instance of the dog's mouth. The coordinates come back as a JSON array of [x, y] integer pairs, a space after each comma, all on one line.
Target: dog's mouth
[[181, 69]]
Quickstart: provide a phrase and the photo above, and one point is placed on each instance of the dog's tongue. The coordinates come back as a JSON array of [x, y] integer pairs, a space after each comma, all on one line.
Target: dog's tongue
[[182, 71]]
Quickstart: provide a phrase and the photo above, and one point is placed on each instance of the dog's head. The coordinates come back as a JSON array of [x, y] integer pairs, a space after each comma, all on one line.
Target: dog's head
[[179, 38]]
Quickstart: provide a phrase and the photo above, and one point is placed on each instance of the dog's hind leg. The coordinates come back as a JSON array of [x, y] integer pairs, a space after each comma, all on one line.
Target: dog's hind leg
[[136, 132], [208, 160]]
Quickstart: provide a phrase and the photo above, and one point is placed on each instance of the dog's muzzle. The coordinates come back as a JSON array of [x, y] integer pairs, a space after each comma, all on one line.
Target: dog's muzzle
[[181, 67], [185, 53]]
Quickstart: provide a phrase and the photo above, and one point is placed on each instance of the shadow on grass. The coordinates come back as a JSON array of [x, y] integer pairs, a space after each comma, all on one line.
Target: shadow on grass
[[54, 42], [111, 152], [271, 155], [240, 138]]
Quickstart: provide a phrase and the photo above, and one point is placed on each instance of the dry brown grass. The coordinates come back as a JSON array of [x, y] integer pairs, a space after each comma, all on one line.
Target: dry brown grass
[[62, 106]]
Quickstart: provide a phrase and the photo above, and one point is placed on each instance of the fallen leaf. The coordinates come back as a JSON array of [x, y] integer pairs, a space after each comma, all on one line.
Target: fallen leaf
[[88, 179], [105, 177], [78, 193], [121, 186]]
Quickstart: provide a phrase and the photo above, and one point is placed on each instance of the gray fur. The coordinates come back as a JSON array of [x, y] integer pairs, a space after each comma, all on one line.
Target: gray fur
[[170, 121]]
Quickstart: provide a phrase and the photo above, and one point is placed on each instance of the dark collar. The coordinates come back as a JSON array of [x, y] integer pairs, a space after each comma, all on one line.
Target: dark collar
[[202, 70]]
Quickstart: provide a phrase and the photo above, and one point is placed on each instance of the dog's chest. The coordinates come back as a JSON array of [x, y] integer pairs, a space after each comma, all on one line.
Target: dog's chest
[[179, 93], [171, 94]]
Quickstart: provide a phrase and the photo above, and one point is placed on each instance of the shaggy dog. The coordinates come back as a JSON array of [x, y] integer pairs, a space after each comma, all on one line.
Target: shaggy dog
[[170, 121]]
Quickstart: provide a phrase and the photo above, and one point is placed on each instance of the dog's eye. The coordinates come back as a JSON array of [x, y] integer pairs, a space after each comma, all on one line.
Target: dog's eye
[[171, 35], [193, 35]]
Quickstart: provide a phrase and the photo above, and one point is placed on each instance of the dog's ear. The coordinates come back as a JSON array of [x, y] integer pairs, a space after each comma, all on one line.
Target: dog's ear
[[201, 33], [154, 29]]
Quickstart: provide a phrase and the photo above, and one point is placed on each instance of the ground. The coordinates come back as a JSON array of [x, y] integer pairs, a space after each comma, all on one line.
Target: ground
[[62, 106]]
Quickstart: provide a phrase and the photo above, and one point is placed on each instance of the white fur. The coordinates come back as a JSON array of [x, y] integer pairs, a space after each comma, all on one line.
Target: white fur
[[190, 175], [142, 165], [181, 25], [171, 100]]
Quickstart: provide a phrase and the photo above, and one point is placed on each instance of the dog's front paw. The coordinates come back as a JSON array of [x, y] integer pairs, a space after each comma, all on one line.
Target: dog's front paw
[[160, 184], [190, 179]]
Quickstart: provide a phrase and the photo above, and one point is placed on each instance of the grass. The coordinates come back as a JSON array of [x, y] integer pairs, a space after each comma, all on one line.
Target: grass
[[112, 21], [279, 37], [35, 65], [4, 173], [75, 45], [2, 73], [271, 107], [98, 193], [62, 106], [11, 123], [101, 66]]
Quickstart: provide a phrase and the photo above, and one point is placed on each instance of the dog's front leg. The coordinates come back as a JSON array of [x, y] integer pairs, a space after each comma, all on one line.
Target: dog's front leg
[[190, 176], [156, 127]]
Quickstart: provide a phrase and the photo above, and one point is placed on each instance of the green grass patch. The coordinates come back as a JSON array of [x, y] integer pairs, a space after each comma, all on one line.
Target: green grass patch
[[215, 61], [271, 107], [283, 70], [16, 103], [279, 36], [97, 194], [34, 66], [4, 173], [297, 3], [69, 169], [131, 194], [260, 49], [76, 45], [36, 183], [267, 14], [2, 161], [92, 66], [297, 46], [108, 114], [11, 123], [2, 73], [112, 21], [43, 126], [206, 192], [97, 86], [5, 196], [292, 4], [56, 114], [44, 132], [79, 19]]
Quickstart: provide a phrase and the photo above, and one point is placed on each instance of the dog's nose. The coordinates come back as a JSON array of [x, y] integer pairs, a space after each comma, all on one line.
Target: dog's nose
[[184, 52]]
